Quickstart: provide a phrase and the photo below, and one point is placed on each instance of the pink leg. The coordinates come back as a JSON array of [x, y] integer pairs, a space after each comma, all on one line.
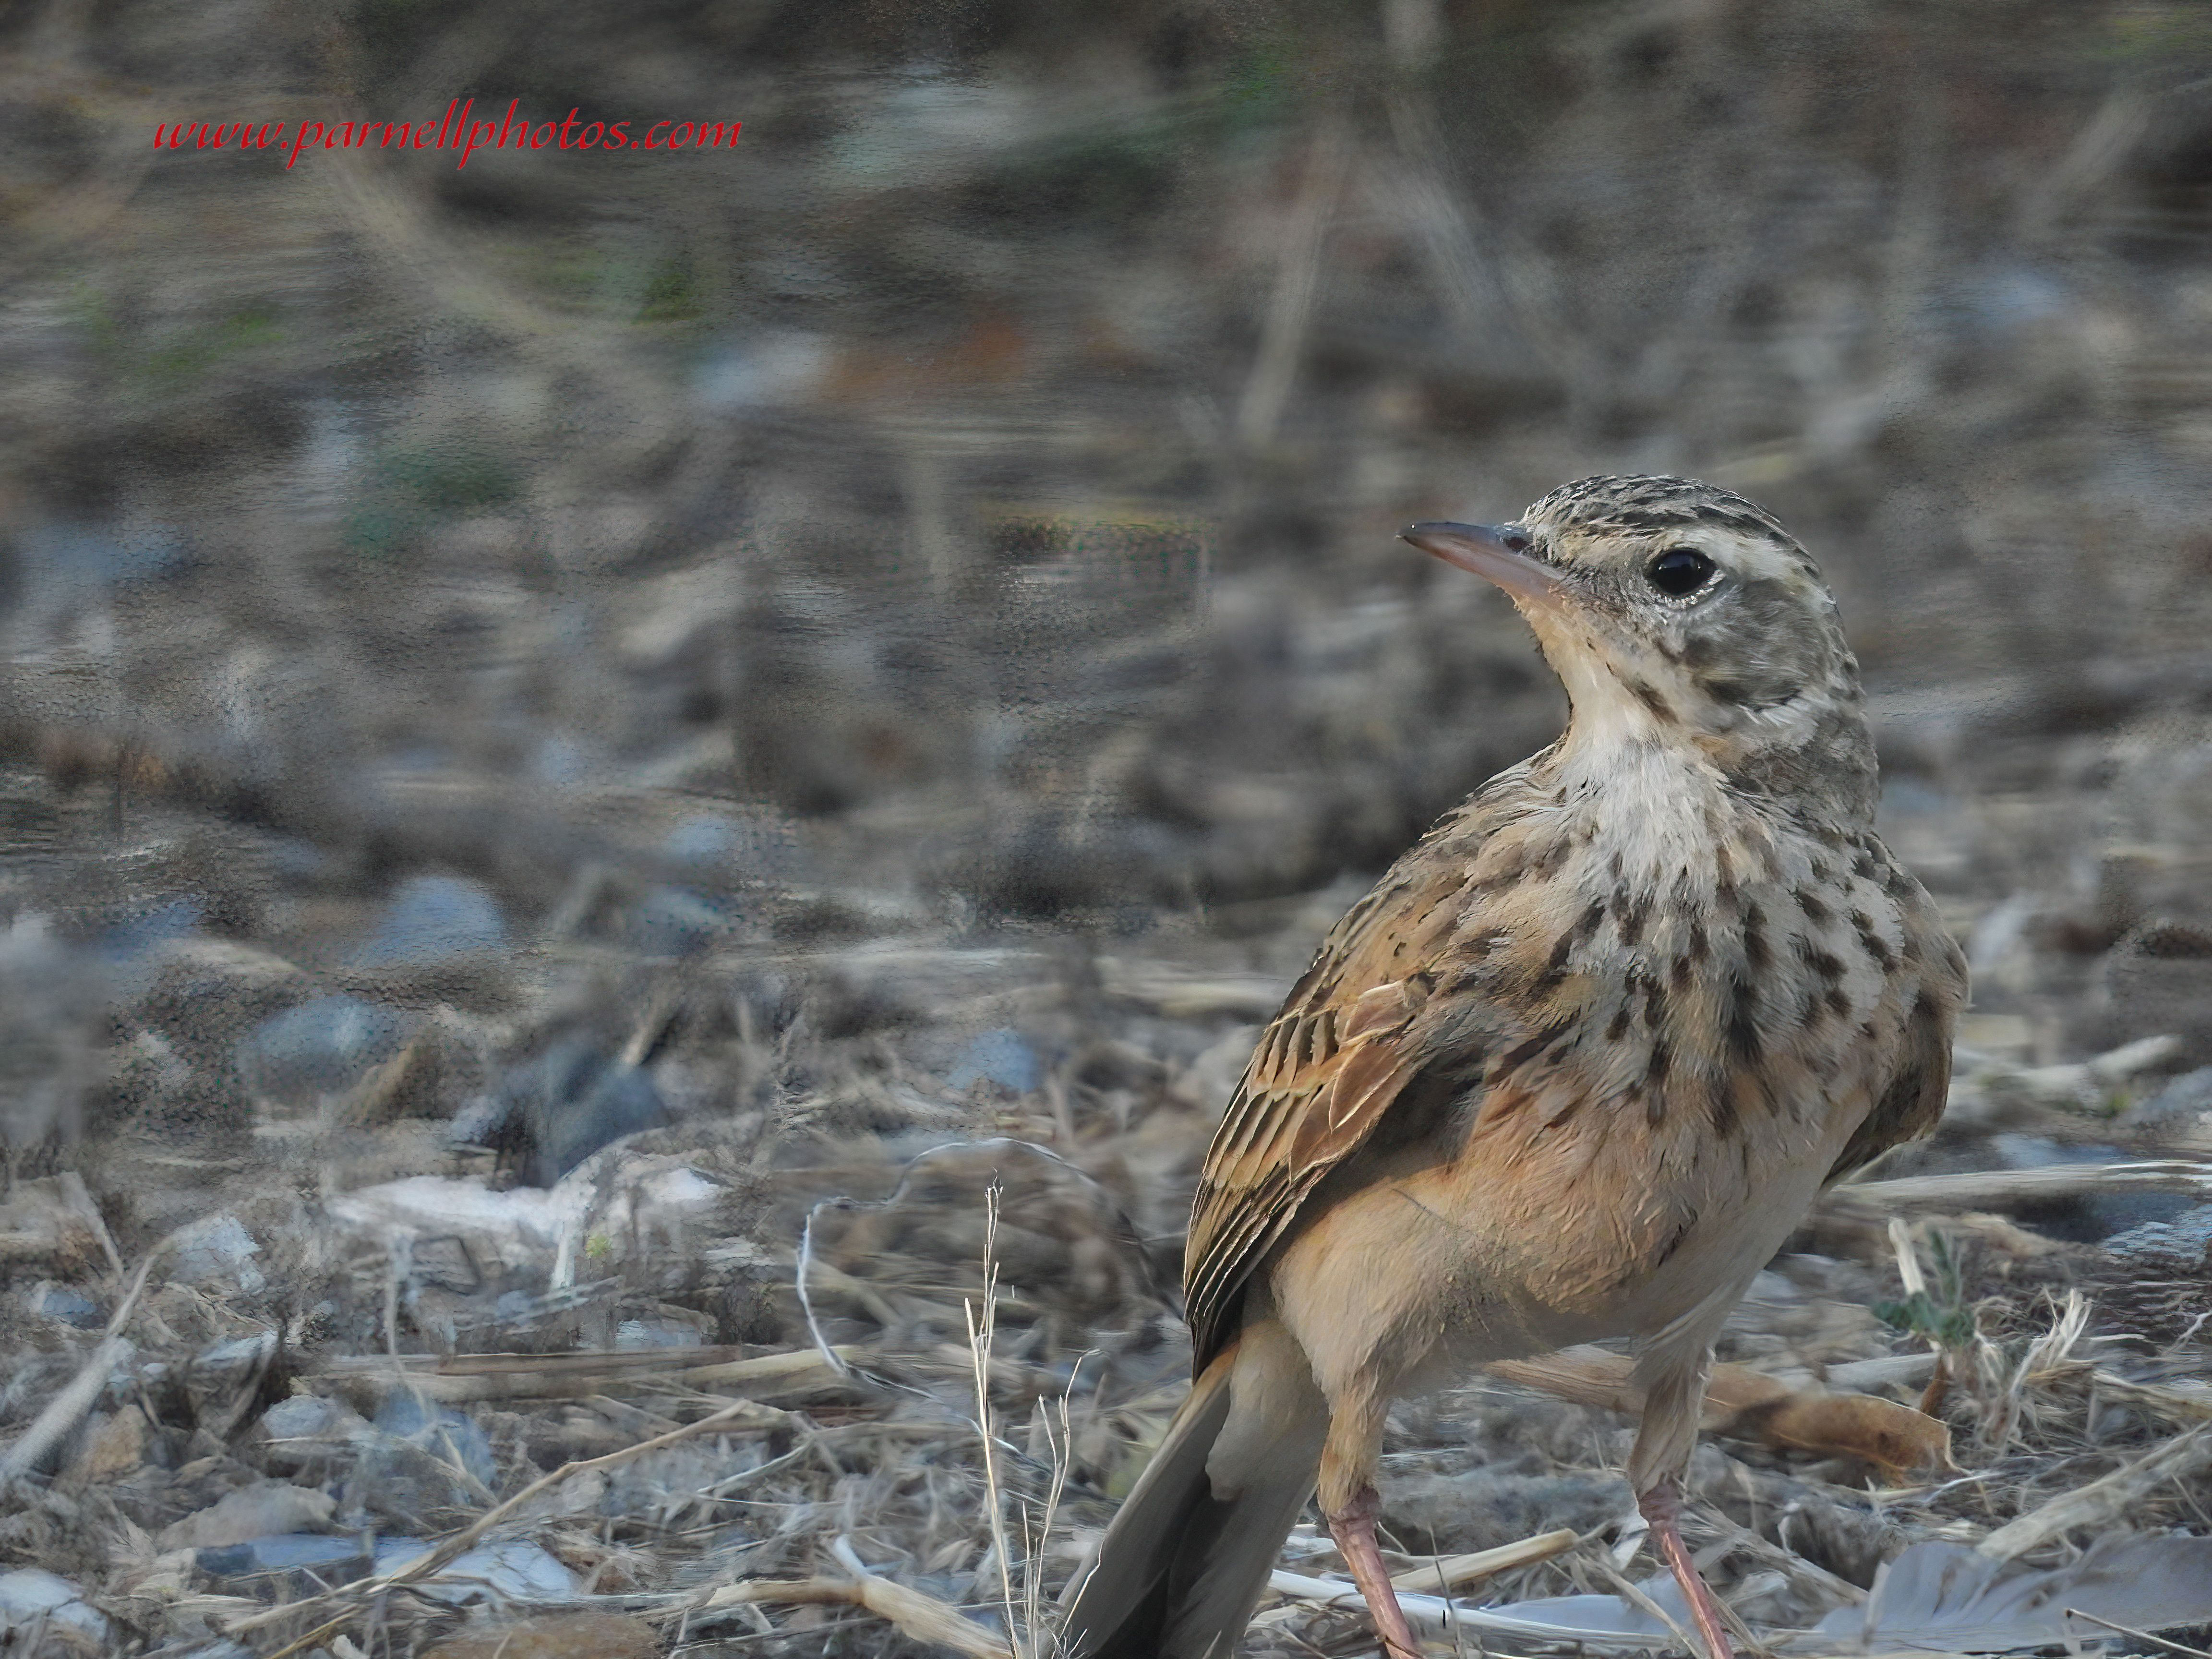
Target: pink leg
[[1662, 1512], [1354, 1528]]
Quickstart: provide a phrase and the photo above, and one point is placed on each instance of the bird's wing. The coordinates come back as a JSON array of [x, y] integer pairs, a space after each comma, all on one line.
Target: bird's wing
[[1908, 1109], [1325, 1071]]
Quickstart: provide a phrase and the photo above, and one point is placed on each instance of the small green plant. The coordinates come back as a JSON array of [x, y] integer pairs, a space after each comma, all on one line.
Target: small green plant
[[180, 358], [449, 477], [671, 293], [1934, 1307], [410, 488]]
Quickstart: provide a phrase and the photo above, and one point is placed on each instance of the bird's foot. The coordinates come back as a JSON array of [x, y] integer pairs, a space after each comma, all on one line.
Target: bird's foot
[[1663, 1513], [1354, 1528]]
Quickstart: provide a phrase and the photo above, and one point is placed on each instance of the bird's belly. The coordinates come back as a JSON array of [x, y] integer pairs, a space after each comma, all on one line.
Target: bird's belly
[[1557, 1239]]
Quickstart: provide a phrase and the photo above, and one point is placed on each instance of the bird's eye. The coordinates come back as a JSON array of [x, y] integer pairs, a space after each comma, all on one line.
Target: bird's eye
[[1680, 572]]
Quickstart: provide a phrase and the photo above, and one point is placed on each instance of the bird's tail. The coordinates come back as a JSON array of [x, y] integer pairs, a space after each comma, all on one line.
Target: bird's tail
[[1180, 1568]]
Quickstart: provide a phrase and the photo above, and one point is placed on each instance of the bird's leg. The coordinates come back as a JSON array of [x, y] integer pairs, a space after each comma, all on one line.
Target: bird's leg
[[1354, 1528], [1671, 1375], [1662, 1512]]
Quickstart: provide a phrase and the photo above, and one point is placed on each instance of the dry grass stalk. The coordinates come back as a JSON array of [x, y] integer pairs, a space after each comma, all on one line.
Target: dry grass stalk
[[1452, 1572], [2104, 1502], [62, 1412], [921, 1617], [1885, 1370], [2142, 1636], [1297, 272], [980, 1328], [453, 1378], [1980, 1189], [1025, 1614], [1635, 1595], [2010, 1390], [810, 1273], [2189, 1401], [739, 1413]]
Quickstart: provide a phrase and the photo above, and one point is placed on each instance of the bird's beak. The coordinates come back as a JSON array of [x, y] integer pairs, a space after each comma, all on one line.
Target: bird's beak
[[1492, 552]]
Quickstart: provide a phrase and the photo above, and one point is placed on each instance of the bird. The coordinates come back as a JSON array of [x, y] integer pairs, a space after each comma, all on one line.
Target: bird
[[1573, 1070]]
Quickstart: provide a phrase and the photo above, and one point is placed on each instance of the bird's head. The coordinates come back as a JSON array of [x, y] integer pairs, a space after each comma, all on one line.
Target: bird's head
[[1677, 613]]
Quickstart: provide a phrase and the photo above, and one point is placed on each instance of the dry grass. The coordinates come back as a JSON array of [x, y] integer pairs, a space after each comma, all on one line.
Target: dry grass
[[948, 1441]]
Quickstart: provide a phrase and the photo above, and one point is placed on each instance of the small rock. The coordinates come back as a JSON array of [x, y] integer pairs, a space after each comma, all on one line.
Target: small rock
[[1002, 1057], [519, 1570], [674, 922], [304, 1416], [313, 1556], [2181, 1111], [563, 763], [519, 1229], [403, 1416], [149, 929], [265, 1508], [2187, 1237], [320, 1048], [34, 1600], [238, 1353], [709, 838], [70, 1307], [2088, 1216], [216, 1248], [431, 918], [658, 1334], [312, 1437], [400, 1483], [559, 1109], [113, 1446]]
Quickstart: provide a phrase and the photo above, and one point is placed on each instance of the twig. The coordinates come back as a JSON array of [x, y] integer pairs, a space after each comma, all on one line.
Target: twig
[[980, 1330], [1637, 1597], [922, 1617], [1438, 1610], [1980, 1190], [72, 1188], [454, 1378], [1127, 1237], [1283, 332], [2181, 1458], [314, 1637], [1452, 1572], [2139, 1635], [76, 1398], [1062, 1457], [431, 1561]]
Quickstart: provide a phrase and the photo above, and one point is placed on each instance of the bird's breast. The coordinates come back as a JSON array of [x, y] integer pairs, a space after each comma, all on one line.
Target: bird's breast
[[1662, 1073]]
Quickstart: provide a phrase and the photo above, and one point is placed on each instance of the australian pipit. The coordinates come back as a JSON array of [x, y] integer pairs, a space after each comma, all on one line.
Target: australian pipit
[[1574, 1069]]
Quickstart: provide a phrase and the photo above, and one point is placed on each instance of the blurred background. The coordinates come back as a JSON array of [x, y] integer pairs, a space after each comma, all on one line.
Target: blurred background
[[847, 633]]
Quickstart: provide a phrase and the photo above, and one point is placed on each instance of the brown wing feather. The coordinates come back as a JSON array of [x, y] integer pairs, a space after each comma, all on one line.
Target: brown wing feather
[[1325, 1070], [1914, 1100]]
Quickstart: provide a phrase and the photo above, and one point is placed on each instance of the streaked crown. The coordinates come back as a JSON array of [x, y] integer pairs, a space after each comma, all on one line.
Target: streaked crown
[[1684, 612]]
